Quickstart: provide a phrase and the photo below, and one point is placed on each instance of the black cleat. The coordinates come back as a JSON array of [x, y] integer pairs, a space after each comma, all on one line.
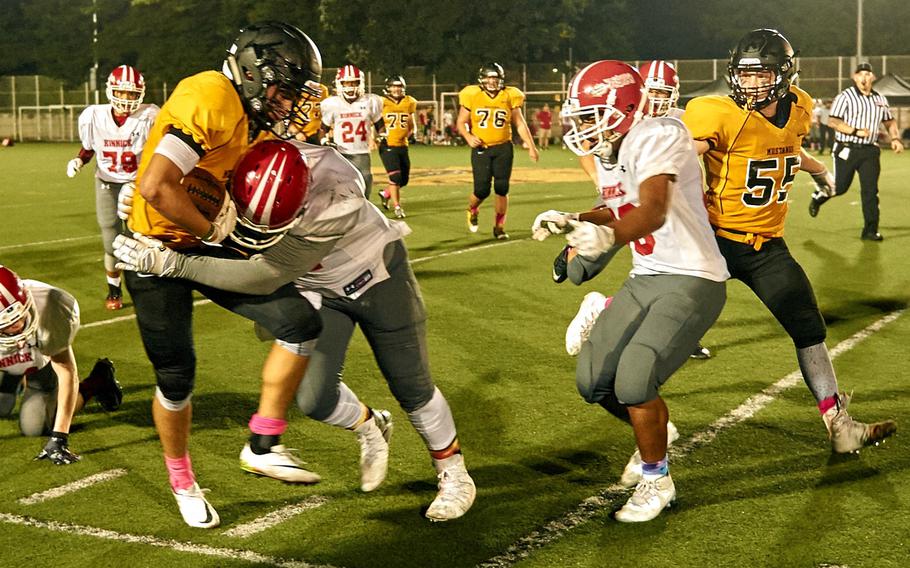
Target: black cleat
[[110, 393]]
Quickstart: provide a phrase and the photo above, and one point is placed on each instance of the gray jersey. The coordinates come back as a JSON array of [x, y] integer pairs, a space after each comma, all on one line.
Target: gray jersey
[[335, 249], [58, 322]]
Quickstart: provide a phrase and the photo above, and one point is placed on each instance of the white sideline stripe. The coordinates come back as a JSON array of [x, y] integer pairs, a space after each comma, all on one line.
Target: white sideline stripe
[[71, 487], [130, 317], [193, 548], [278, 516], [596, 504], [41, 243]]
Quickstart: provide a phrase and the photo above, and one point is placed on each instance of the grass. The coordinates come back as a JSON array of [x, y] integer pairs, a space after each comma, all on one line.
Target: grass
[[766, 492]]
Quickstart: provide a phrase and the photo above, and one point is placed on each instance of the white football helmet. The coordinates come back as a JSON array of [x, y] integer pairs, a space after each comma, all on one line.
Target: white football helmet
[[662, 83], [349, 82], [16, 304], [125, 79]]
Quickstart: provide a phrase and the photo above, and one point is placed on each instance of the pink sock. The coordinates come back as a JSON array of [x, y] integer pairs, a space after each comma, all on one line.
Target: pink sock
[[608, 301], [500, 219], [267, 426], [826, 404], [180, 472], [474, 210]]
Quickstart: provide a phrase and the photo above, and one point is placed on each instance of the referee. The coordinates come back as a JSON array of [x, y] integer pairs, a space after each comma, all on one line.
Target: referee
[[856, 115]]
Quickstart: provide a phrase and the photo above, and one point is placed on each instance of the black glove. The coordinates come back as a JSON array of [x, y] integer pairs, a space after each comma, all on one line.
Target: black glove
[[561, 265], [57, 450]]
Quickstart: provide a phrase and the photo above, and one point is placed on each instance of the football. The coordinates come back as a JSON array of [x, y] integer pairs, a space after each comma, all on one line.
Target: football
[[206, 192]]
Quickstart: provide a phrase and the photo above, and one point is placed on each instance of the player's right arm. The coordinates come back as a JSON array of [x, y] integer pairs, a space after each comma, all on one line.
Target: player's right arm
[[461, 123], [161, 188], [700, 118]]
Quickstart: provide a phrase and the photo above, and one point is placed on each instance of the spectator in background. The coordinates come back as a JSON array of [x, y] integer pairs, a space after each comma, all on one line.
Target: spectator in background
[[448, 123], [566, 125], [116, 132], [856, 116], [544, 122]]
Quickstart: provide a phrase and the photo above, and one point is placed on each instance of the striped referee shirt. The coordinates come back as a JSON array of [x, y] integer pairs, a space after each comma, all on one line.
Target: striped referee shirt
[[860, 111]]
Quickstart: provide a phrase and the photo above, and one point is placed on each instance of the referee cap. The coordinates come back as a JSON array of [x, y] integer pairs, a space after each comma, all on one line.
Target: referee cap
[[864, 66]]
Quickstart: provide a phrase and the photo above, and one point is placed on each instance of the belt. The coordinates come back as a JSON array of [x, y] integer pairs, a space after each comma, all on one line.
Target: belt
[[754, 239], [856, 145]]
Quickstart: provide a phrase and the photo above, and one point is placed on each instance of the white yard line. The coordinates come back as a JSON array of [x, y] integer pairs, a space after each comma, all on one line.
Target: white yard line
[[54, 242], [71, 487], [278, 516], [603, 501], [176, 545]]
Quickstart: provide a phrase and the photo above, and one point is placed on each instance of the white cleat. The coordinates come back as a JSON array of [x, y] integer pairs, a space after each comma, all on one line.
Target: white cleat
[[196, 510], [632, 473], [849, 435], [374, 435], [399, 213], [279, 463], [456, 490], [580, 327], [652, 495]]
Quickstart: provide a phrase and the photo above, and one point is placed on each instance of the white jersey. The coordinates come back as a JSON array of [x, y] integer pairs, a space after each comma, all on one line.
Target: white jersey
[[351, 123], [335, 204], [118, 149], [685, 243], [58, 322]]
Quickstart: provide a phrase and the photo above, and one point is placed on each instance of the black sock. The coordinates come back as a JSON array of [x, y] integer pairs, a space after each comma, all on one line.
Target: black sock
[[114, 291], [262, 443]]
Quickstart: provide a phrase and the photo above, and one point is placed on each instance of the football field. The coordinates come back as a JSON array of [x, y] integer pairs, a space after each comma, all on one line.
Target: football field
[[757, 483]]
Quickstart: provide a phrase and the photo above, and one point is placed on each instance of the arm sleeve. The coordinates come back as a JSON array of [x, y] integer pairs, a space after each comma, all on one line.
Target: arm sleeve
[[292, 257], [581, 269]]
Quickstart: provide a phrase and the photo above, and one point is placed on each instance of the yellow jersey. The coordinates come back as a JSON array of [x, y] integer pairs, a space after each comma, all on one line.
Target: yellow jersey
[[312, 111], [206, 108], [491, 117], [398, 117], [751, 164]]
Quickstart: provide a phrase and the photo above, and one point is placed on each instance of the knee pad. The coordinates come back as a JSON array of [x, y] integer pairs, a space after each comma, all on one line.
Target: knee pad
[[395, 177], [585, 380], [481, 192], [303, 349], [7, 403], [434, 422], [404, 177], [37, 412], [174, 387], [171, 404], [808, 331], [636, 378], [299, 326], [501, 186]]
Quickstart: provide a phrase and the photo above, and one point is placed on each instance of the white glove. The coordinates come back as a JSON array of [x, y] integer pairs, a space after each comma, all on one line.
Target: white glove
[[590, 240], [144, 254], [73, 167], [824, 181], [125, 200], [551, 222], [224, 222]]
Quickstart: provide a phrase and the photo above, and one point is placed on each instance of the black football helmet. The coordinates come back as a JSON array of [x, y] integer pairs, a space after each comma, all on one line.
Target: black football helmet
[[491, 69], [761, 50], [273, 53], [394, 81]]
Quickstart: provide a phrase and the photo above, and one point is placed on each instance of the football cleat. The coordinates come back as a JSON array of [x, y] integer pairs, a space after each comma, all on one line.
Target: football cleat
[[195, 508], [700, 352], [110, 393], [114, 300], [384, 199], [580, 327], [279, 463], [848, 435], [472, 221], [652, 495], [399, 213], [632, 473], [500, 233], [456, 490], [374, 435]]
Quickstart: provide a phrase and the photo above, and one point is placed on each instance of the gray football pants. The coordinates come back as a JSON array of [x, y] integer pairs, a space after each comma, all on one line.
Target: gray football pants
[[362, 163], [39, 400], [106, 212], [645, 335], [392, 317]]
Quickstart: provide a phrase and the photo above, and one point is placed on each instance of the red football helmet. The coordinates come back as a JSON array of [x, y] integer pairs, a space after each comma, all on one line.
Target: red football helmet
[[125, 79], [16, 305], [663, 86], [349, 82], [269, 186], [604, 101]]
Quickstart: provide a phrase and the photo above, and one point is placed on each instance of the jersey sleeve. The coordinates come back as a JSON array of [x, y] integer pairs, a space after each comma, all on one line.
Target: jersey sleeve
[[838, 107], [327, 108], [85, 128], [887, 114], [375, 108], [516, 97], [210, 125], [701, 122], [662, 148], [464, 98], [58, 315], [412, 105]]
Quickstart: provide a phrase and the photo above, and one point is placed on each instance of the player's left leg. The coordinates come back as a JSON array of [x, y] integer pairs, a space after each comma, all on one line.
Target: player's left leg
[[502, 172], [482, 173], [109, 223], [869, 171]]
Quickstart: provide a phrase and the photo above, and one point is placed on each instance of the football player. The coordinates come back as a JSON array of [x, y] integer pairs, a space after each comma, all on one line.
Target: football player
[[116, 132], [751, 146], [38, 323], [677, 286], [310, 124], [352, 118], [487, 113], [271, 70], [398, 110], [348, 259]]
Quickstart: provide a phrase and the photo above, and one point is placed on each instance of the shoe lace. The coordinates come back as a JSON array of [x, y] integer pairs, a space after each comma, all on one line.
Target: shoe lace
[[644, 491], [290, 454]]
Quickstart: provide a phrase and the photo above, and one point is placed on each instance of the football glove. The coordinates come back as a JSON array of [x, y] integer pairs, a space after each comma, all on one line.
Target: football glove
[[326, 141], [224, 222], [589, 239], [57, 450], [73, 167], [824, 182], [551, 222], [144, 254], [125, 200], [561, 265]]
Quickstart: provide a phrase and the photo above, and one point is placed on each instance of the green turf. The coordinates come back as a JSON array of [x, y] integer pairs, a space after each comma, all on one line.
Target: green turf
[[765, 493]]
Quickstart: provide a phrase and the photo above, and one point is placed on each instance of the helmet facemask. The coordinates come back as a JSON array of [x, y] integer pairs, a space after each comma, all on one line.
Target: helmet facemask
[[661, 99], [753, 93], [121, 83], [594, 129], [15, 313]]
